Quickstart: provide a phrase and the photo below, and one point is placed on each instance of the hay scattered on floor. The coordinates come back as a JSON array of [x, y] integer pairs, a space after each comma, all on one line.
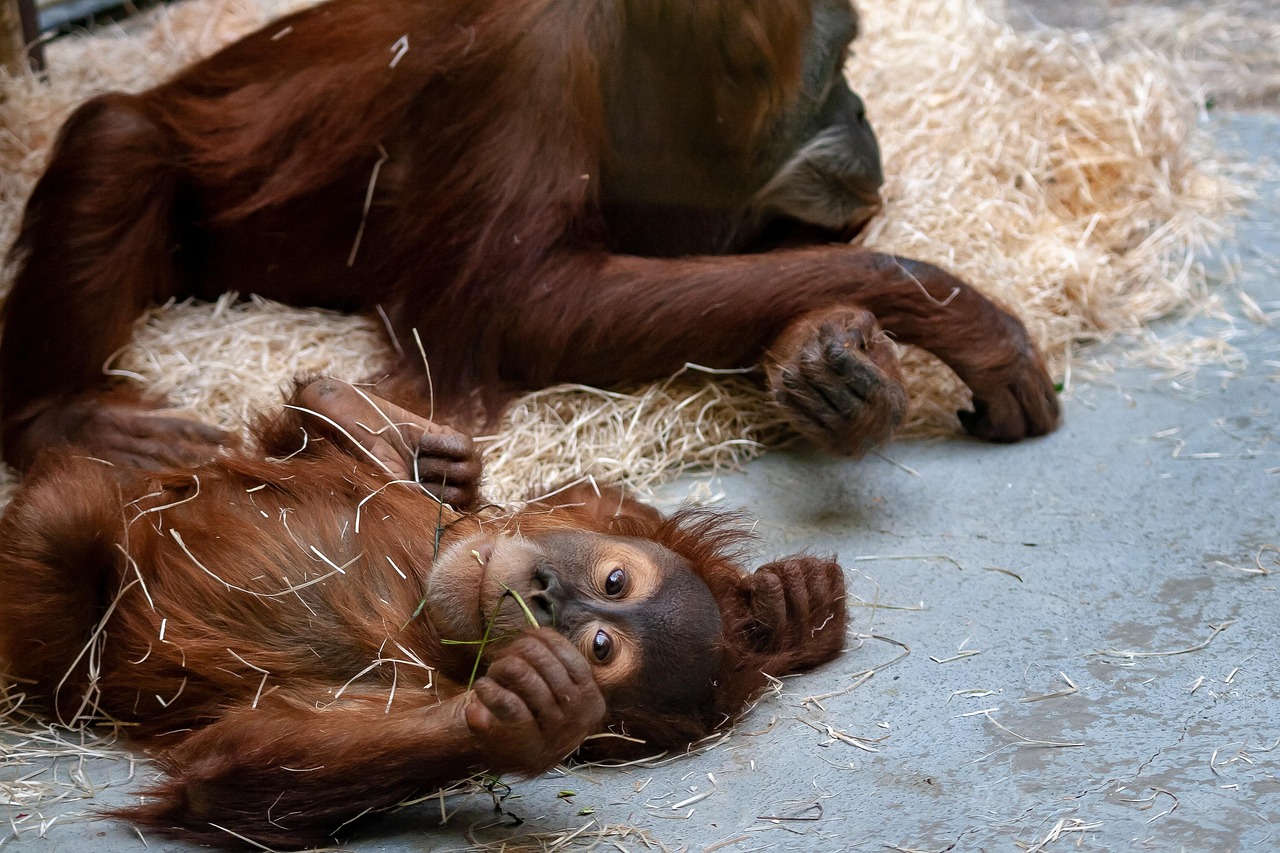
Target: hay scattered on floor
[[51, 774], [1232, 53]]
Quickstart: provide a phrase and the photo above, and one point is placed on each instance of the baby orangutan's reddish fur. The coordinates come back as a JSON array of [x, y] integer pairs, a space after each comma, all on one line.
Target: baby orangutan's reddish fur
[[275, 626]]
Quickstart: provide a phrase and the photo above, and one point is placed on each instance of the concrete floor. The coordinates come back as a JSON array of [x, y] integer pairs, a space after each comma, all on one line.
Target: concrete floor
[[1117, 555]]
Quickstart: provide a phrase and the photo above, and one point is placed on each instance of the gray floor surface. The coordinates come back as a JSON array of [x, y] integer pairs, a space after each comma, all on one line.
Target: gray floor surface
[[1093, 647]]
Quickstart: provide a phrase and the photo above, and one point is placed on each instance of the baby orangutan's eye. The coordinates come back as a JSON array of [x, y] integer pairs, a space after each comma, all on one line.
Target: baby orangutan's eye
[[602, 647], [615, 583]]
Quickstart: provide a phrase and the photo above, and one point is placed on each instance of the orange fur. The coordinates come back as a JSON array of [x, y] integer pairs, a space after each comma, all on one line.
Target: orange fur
[[258, 622]]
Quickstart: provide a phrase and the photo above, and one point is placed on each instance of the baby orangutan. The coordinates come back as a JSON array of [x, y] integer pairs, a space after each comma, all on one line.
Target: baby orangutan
[[307, 634]]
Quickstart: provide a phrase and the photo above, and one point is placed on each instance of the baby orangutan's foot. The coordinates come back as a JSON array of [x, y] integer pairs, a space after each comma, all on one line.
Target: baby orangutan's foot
[[837, 377], [405, 445]]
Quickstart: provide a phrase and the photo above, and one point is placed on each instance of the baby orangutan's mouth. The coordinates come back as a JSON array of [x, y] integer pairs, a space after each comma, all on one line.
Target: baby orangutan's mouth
[[468, 589]]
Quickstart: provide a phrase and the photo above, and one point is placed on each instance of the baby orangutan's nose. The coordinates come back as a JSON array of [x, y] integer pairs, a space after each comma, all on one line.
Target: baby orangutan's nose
[[545, 595]]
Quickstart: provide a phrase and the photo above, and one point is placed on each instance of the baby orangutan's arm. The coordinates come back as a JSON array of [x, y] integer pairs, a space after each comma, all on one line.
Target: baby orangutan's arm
[[295, 771]]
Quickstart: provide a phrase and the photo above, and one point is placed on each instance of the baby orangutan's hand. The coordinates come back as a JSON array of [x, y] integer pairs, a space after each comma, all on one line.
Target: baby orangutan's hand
[[535, 706], [798, 604]]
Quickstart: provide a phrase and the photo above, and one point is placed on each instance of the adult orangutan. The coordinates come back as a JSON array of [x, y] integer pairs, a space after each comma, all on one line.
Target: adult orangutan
[[276, 628], [546, 190]]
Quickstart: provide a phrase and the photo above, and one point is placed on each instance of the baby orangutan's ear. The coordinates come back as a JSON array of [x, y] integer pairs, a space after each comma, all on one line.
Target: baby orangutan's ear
[[798, 612]]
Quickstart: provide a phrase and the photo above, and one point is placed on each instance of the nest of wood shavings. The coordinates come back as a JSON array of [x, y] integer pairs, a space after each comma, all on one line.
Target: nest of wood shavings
[[1062, 184], [1231, 50]]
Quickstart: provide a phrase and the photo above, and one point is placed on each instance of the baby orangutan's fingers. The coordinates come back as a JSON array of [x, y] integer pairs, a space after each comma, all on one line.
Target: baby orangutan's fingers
[[445, 442], [535, 705], [799, 609], [449, 466]]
